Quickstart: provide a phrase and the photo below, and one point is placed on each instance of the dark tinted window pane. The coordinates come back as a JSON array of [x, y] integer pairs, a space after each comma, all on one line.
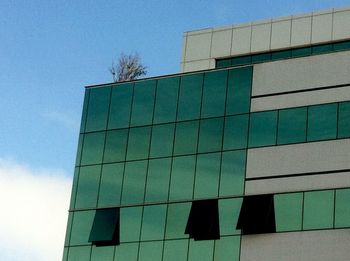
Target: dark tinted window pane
[[84, 114], [239, 89], [119, 115], [115, 146], [162, 140], [341, 46], [201, 250], [190, 97], [259, 58], [229, 212], [143, 103], [207, 175], [318, 209], [292, 125], [227, 248], [186, 137], [79, 150], [153, 222], [105, 253], [344, 120], [288, 211], [127, 252], [223, 63], [281, 55], [324, 48], [301, 52], [130, 224], [111, 185], [68, 229], [93, 148], [262, 130], [175, 250], [241, 60], [176, 220], [182, 178], [232, 173], [81, 227], [214, 94], [134, 182], [151, 251], [166, 100], [158, 178], [138, 143], [97, 113], [210, 135], [65, 254], [88, 183], [79, 253], [74, 188], [236, 132], [322, 122], [342, 208]]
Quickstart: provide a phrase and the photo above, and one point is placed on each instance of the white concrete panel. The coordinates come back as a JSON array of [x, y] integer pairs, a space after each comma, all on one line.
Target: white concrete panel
[[341, 25], [301, 31], [241, 40], [321, 245], [183, 51], [321, 28], [301, 73], [261, 37], [221, 43], [300, 99], [196, 66], [281, 32], [298, 158], [212, 64], [300, 183], [198, 46]]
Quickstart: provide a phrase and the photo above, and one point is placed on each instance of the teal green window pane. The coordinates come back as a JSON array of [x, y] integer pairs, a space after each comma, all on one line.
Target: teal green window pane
[[182, 178], [239, 90], [227, 249], [229, 210], [151, 251], [134, 182], [138, 143], [236, 132], [105, 253], [201, 250], [97, 113], [175, 250], [143, 103], [119, 114], [324, 48], [84, 113], [177, 220], [65, 254], [115, 147], [162, 140], [214, 94], [130, 224], [322, 122], [111, 185], [300, 52], [166, 100], [93, 148], [318, 209], [222, 63], [127, 252], [259, 58], [81, 227], [241, 60], [232, 173], [68, 229], [79, 150], [281, 55], [158, 177], [288, 211], [292, 125], [207, 175], [79, 253], [74, 188], [186, 137], [344, 120], [262, 130], [210, 135], [341, 46], [342, 208], [190, 97], [88, 183], [153, 222]]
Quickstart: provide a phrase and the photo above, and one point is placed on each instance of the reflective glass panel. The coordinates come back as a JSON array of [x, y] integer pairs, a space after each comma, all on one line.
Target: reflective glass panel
[[80, 146], [262, 57], [281, 55], [166, 100], [105, 253], [344, 120], [210, 135], [229, 210], [93, 148], [300, 52], [127, 252], [201, 250], [115, 146], [186, 137], [81, 227], [175, 250], [79, 253], [227, 249], [342, 208], [236, 132], [119, 114], [177, 220], [138, 143], [153, 222], [222, 63], [341, 46], [324, 48], [151, 251], [74, 188], [84, 114], [162, 140], [243, 60], [322, 122], [130, 224], [263, 127], [68, 229]]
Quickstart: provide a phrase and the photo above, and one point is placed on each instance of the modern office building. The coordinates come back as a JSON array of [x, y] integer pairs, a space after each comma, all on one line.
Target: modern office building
[[243, 156]]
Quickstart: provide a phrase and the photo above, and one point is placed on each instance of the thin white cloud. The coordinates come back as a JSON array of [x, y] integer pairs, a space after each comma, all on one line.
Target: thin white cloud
[[33, 215], [66, 119]]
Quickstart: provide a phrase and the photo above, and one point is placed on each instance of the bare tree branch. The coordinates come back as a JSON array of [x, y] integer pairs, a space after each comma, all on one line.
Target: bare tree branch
[[129, 67]]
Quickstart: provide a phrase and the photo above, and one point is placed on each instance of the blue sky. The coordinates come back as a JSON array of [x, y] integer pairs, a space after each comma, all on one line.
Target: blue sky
[[49, 50]]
